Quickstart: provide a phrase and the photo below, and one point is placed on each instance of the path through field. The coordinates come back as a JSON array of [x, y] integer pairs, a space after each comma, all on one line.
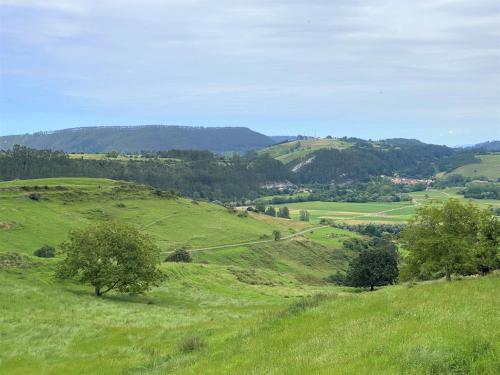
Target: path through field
[[294, 234]]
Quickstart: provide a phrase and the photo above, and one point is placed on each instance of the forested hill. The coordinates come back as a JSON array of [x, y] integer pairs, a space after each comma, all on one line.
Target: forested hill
[[137, 138]]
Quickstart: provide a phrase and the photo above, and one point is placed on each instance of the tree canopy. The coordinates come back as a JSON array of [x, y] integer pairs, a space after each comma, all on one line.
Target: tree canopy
[[453, 238], [111, 256]]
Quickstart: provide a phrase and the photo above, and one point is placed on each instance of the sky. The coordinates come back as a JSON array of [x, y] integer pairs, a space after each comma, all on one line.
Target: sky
[[427, 69]]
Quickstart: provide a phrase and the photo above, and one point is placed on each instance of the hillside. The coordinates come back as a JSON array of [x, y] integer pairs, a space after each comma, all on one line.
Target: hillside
[[214, 319], [489, 167], [288, 152], [137, 138]]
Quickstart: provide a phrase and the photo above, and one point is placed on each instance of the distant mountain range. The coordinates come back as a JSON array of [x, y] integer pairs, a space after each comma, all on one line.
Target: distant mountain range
[[139, 138]]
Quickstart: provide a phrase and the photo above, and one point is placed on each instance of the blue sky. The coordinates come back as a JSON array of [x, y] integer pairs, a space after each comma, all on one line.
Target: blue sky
[[427, 69]]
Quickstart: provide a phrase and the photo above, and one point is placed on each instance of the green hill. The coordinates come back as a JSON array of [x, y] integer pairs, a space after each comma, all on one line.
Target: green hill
[[215, 319], [489, 167], [138, 138], [290, 151]]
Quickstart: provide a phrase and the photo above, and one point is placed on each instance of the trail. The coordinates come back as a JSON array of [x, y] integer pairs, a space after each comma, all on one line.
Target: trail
[[294, 234]]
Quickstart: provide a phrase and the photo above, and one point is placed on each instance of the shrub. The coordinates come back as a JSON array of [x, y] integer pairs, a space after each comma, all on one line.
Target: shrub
[[35, 196], [243, 214], [120, 205], [191, 344], [179, 256], [46, 251]]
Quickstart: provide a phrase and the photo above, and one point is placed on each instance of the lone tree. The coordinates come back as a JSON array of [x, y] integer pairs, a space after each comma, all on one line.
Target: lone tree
[[284, 212], [111, 256], [373, 267], [454, 238], [304, 215], [46, 251], [276, 235]]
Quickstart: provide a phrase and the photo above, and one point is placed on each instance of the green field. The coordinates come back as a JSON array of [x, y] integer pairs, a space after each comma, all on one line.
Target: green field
[[245, 322], [256, 308], [353, 212], [489, 167], [26, 224], [290, 151]]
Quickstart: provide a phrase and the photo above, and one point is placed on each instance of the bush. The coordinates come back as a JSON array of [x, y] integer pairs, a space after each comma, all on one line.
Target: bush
[[35, 196], [46, 251], [179, 256], [191, 344]]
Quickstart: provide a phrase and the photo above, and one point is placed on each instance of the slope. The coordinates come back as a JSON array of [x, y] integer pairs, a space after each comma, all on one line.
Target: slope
[[138, 138], [489, 167]]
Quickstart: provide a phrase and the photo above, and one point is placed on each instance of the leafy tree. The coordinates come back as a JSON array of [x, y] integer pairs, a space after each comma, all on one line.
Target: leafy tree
[[304, 215], [109, 256], [46, 251], [276, 235], [455, 238], [373, 267], [260, 207], [271, 211], [179, 256], [284, 212]]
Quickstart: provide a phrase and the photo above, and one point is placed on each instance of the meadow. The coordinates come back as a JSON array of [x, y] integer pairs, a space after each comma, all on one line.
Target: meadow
[[290, 151], [260, 307], [489, 167], [68, 203]]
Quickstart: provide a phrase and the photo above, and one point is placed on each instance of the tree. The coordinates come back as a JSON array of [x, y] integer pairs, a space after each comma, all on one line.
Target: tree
[[46, 251], [304, 215], [284, 212], [271, 211], [276, 235], [260, 207], [179, 256], [111, 256], [373, 267], [454, 238]]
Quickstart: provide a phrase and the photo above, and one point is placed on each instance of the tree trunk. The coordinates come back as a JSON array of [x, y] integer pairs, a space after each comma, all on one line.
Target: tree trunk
[[372, 288], [98, 292], [448, 274]]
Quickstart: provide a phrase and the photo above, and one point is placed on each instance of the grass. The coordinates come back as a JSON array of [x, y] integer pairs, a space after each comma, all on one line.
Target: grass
[[291, 151], [256, 309], [209, 319], [489, 167], [353, 212], [438, 328], [26, 224]]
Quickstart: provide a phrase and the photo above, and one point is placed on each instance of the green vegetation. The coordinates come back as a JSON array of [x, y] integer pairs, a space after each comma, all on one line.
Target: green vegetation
[[488, 167], [453, 238], [138, 138], [69, 203], [251, 299], [288, 152], [111, 256]]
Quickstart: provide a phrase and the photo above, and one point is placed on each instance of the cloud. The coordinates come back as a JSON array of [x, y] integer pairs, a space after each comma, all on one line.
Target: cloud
[[422, 61]]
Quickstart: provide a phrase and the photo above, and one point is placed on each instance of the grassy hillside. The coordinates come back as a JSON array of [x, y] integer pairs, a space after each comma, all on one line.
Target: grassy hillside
[[290, 151], [489, 167], [208, 230], [438, 328], [215, 319], [68, 203]]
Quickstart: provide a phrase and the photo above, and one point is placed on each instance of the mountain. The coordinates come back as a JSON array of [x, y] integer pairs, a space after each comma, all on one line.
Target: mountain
[[488, 146], [137, 138]]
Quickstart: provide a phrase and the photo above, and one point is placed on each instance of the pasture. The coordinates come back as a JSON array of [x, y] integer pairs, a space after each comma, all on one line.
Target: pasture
[[489, 167]]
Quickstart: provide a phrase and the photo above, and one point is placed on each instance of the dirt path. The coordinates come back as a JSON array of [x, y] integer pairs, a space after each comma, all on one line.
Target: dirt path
[[294, 234]]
